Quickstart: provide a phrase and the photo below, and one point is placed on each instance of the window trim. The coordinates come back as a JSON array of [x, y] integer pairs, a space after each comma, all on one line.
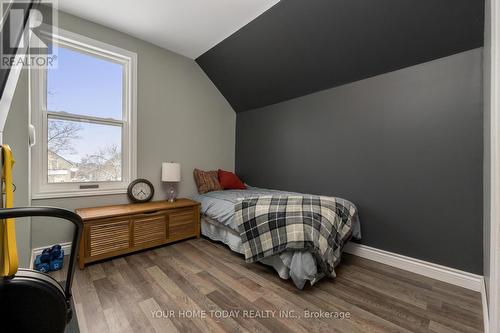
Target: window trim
[[41, 189]]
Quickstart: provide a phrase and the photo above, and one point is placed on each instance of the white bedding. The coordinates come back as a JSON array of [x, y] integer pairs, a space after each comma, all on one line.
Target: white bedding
[[297, 265]]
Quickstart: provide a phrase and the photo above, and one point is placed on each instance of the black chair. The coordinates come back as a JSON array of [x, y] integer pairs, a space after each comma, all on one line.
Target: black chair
[[31, 301]]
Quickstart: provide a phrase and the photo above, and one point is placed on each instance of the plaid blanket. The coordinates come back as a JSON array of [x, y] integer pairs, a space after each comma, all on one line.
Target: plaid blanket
[[272, 224]]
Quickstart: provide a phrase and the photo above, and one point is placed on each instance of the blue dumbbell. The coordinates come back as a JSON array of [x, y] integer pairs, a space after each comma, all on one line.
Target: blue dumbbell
[[45, 256], [55, 252], [41, 266], [57, 263]]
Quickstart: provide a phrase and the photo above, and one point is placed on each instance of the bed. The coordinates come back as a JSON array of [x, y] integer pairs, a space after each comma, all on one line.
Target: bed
[[219, 223]]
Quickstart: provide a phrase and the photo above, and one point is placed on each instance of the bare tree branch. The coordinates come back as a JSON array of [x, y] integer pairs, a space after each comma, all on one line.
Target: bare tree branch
[[61, 135], [102, 165]]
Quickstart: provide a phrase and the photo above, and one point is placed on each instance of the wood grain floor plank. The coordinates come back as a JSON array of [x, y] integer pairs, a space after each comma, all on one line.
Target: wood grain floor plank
[[382, 285], [457, 315], [166, 303], [394, 310], [96, 272], [120, 295], [201, 299], [361, 319], [203, 286], [91, 306], [80, 317], [117, 320], [365, 319], [162, 324], [128, 283], [129, 292], [241, 303], [379, 305], [287, 300], [440, 288], [358, 321], [228, 276], [406, 291], [440, 328], [106, 293], [185, 302], [282, 299], [229, 305], [472, 295], [290, 323]]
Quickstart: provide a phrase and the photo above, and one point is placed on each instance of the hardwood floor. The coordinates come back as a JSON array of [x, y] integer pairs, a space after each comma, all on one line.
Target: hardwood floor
[[191, 286]]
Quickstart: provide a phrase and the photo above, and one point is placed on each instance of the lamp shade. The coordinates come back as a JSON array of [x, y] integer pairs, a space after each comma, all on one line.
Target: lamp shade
[[171, 172]]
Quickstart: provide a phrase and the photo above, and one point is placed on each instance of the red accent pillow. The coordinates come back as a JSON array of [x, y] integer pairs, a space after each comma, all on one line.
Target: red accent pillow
[[230, 181]]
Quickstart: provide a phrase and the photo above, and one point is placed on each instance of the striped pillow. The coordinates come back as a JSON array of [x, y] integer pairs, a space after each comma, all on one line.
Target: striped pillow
[[207, 181]]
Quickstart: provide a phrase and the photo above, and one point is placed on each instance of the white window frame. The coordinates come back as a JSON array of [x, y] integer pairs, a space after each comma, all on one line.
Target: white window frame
[[41, 188]]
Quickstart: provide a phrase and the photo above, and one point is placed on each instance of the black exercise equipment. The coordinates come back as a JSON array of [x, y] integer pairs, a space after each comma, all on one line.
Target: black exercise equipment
[[31, 301]]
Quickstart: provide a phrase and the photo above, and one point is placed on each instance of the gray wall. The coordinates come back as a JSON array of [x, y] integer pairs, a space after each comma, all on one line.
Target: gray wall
[[406, 147], [181, 117]]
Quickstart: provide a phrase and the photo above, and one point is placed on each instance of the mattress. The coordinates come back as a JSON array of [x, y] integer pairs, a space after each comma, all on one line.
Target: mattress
[[218, 224], [219, 205]]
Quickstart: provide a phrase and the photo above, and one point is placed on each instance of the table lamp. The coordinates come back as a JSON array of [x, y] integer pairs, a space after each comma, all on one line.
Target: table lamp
[[171, 172]]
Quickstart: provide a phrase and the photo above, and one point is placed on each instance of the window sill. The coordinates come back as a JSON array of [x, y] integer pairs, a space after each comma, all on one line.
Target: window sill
[[81, 193]]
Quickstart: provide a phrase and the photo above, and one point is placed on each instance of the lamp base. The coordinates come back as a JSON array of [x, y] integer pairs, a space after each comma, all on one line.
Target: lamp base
[[171, 194]]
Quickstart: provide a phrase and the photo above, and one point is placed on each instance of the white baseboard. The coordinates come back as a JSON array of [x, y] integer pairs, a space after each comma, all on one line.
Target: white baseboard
[[442, 273], [38, 250], [484, 301]]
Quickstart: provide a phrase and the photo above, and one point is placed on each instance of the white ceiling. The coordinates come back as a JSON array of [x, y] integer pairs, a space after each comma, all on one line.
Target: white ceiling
[[188, 27]]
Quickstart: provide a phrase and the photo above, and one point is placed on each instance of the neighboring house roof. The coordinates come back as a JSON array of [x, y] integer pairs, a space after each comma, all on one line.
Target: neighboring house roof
[[62, 158]]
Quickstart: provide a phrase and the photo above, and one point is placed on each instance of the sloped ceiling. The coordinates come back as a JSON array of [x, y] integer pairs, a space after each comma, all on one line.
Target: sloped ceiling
[[303, 46], [188, 27]]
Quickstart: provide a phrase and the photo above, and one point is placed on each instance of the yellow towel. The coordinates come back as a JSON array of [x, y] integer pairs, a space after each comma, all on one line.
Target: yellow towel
[[8, 247]]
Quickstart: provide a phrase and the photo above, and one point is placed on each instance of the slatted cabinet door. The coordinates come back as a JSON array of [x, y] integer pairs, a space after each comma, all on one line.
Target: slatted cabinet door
[[149, 230], [108, 237], [182, 224]]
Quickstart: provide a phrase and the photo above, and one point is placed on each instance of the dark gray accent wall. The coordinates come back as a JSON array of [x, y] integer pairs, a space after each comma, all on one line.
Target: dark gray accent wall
[[302, 46], [406, 147]]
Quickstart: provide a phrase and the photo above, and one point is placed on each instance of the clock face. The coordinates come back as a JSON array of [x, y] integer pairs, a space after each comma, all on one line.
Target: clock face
[[140, 190]]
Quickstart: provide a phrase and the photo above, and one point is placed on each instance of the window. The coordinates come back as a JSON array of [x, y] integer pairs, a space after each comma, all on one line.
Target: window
[[83, 111]]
